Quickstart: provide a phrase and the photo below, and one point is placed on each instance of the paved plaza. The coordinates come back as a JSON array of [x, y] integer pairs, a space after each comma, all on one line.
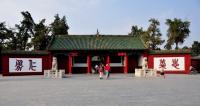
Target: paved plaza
[[88, 90]]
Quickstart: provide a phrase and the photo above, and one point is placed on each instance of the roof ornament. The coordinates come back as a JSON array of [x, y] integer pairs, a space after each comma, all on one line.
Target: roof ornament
[[97, 33]]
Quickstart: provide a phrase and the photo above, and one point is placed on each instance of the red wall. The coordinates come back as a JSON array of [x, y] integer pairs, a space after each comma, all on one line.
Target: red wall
[[63, 62], [187, 62], [46, 63], [196, 64]]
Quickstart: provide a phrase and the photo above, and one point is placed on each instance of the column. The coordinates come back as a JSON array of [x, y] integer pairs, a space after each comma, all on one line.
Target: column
[[70, 64], [125, 64], [88, 64], [108, 59], [50, 59]]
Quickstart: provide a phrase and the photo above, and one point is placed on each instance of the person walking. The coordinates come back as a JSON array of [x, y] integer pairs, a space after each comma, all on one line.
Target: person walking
[[96, 68], [107, 70], [145, 67], [101, 71], [162, 73]]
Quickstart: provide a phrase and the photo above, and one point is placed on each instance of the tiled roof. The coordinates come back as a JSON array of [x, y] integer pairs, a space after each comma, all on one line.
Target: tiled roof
[[22, 52], [92, 42]]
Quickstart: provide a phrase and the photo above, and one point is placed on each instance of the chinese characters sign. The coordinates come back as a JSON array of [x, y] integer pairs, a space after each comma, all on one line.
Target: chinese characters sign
[[169, 63], [25, 65]]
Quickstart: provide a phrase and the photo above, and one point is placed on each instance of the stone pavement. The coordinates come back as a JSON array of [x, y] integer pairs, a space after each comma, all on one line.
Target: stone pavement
[[88, 90]]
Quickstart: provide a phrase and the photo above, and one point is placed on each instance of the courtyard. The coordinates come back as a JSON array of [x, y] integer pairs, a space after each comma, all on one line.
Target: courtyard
[[89, 90]]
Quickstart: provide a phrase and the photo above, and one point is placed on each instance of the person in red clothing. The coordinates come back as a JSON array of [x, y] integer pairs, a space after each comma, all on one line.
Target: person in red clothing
[[107, 70]]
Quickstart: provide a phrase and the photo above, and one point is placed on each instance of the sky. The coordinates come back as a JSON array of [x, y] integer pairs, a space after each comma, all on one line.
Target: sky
[[108, 16]]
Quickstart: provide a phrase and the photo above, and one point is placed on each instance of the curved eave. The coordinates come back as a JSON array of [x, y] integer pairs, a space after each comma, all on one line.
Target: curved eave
[[92, 49]]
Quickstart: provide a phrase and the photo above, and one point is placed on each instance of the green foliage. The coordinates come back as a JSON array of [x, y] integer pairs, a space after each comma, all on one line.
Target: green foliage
[[28, 34], [135, 31], [59, 26], [23, 33], [41, 38], [152, 37], [196, 48], [185, 48], [177, 32], [5, 34]]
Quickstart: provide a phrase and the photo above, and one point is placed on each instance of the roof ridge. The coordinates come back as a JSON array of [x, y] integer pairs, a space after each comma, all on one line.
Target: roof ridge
[[50, 42], [94, 36], [143, 42]]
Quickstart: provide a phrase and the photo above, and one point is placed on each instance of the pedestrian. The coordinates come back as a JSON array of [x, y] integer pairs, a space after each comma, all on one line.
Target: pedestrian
[[145, 67], [107, 70], [96, 68], [101, 71], [162, 73]]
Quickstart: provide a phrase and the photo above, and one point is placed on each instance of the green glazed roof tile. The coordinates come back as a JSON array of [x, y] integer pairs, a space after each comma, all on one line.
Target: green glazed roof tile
[[92, 42]]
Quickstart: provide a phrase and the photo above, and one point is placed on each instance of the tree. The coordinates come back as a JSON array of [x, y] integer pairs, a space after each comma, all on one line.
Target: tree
[[135, 31], [24, 31], [177, 32], [13, 43], [28, 34], [59, 26], [185, 48], [196, 48], [5, 34], [169, 43], [41, 38], [152, 37]]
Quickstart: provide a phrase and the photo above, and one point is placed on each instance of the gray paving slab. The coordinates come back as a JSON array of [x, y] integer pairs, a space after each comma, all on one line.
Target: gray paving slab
[[89, 90]]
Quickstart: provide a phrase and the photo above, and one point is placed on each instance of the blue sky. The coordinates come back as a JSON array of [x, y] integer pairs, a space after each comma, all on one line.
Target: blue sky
[[109, 16]]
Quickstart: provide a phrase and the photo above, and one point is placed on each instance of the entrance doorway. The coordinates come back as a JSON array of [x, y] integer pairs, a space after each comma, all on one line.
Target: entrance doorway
[[96, 61], [116, 62]]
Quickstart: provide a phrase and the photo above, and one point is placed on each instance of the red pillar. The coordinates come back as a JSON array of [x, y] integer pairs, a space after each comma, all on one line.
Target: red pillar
[[125, 64], [50, 58], [70, 64], [187, 63], [89, 64], [108, 59]]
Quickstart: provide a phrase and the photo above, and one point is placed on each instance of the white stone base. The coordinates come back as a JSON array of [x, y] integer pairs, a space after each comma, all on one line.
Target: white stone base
[[54, 73], [145, 73]]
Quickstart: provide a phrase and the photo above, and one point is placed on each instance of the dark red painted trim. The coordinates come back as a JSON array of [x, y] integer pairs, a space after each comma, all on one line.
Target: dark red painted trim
[[121, 53], [73, 54]]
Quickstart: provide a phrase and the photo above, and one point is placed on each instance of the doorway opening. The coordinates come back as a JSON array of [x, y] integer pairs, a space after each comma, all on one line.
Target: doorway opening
[[95, 62]]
